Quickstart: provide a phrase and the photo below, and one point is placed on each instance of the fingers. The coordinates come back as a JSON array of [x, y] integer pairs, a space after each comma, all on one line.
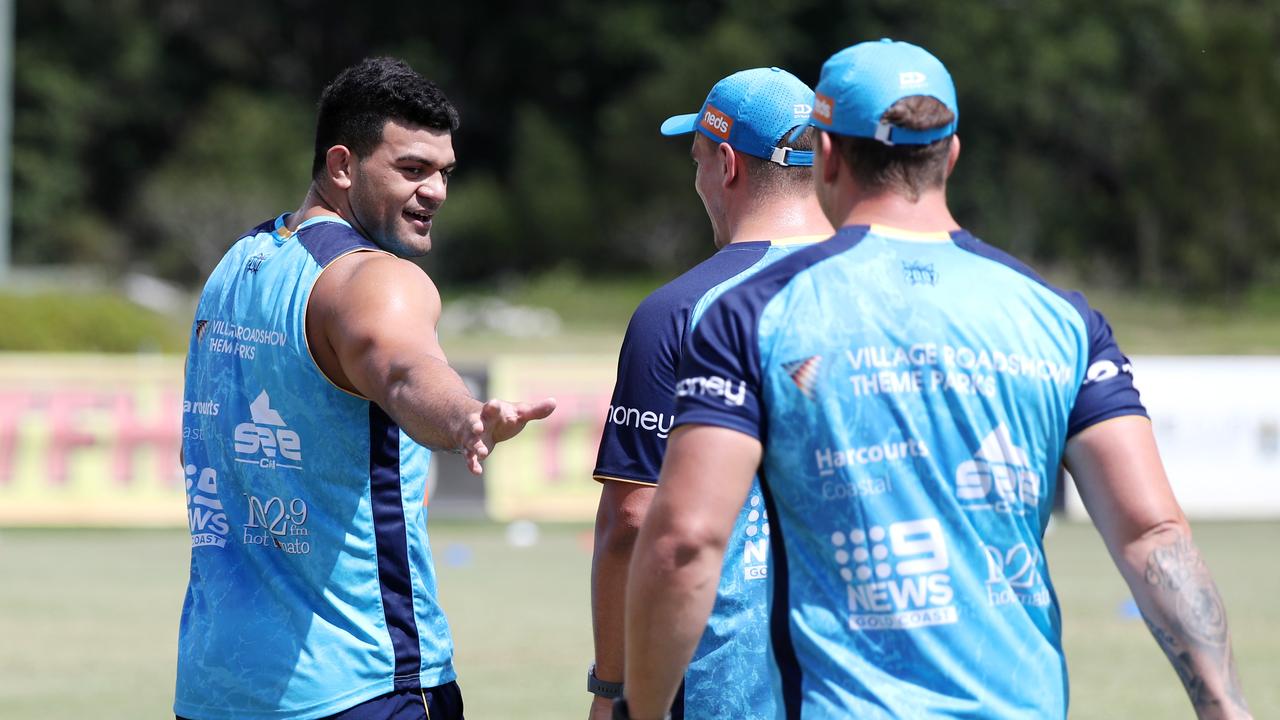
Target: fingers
[[536, 410]]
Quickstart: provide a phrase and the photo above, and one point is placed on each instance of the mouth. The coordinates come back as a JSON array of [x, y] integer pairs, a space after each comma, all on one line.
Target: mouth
[[420, 220]]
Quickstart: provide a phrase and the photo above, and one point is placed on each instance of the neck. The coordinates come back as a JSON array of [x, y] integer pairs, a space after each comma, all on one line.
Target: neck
[[927, 214], [780, 218], [313, 205]]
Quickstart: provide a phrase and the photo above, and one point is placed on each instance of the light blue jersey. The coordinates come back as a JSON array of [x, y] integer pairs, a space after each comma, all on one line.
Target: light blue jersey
[[725, 678], [913, 395], [312, 587]]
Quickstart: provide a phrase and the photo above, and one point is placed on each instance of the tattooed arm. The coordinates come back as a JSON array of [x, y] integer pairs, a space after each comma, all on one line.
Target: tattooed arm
[[1118, 471]]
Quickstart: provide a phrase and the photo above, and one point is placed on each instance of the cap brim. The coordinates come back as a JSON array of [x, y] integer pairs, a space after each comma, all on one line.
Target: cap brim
[[679, 124]]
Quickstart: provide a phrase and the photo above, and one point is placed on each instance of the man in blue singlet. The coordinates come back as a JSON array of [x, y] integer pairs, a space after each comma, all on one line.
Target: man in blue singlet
[[906, 394], [757, 188], [314, 387]]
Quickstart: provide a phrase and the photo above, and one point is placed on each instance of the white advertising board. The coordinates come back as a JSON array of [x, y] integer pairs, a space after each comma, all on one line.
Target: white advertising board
[[1217, 422]]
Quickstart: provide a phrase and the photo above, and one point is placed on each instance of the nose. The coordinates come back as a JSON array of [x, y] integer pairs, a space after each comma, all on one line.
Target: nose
[[434, 187]]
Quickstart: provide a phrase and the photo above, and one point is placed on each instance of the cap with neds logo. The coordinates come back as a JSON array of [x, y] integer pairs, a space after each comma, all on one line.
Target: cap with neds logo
[[752, 110], [858, 84]]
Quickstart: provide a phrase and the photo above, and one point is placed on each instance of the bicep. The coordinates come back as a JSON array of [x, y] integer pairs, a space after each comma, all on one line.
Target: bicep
[[706, 475], [384, 325], [1117, 469]]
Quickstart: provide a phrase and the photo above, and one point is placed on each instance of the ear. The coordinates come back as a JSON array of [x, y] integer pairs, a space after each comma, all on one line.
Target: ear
[[953, 154], [338, 161], [728, 164], [831, 155]]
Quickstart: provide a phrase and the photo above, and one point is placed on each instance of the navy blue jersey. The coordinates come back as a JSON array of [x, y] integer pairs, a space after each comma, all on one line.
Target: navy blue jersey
[[913, 394], [725, 678]]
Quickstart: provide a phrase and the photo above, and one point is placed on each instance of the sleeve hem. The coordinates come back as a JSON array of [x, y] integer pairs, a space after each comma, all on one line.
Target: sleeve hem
[[602, 479], [718, 420], [1089, 422]]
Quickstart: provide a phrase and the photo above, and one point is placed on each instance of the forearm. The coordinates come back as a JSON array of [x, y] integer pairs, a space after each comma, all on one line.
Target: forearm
[[609, 566], [1181, 606], [671, 591], [431, 403]]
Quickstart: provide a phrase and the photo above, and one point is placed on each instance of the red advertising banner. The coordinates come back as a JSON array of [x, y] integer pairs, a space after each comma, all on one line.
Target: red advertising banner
[[90, 440]]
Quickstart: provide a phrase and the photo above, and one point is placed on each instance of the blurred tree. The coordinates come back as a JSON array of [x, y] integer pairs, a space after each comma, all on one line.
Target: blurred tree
[[1137, 141]]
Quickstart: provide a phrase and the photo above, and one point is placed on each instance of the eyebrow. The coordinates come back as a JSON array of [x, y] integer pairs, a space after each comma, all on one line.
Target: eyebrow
[[423, 161]]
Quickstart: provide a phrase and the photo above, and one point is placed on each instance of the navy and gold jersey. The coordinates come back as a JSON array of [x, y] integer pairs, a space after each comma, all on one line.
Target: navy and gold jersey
[[725, 678], [913, 394]]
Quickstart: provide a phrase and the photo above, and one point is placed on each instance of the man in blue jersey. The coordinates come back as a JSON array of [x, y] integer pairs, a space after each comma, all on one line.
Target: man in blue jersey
[[906, 394], [314, 387], [757, 189]]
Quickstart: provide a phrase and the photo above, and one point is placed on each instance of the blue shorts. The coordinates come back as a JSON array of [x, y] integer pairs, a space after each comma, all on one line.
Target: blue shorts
[[442, 702]]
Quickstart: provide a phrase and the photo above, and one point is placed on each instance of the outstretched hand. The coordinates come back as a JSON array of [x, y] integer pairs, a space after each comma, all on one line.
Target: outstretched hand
[[497, 421]]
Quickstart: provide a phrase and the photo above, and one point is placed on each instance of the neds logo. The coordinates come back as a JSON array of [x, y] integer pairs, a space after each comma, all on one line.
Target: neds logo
[[717, 122], [267, 441], [822, 107]]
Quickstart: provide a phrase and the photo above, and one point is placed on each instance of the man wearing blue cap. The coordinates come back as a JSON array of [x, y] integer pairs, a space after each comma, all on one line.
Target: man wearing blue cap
[[906, 394], [756, 185]]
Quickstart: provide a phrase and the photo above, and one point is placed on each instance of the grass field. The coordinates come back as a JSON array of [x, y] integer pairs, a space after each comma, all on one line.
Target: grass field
[[88, 621]]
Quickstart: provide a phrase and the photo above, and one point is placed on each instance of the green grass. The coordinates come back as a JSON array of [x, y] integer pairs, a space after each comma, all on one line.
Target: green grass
[[88, 621]]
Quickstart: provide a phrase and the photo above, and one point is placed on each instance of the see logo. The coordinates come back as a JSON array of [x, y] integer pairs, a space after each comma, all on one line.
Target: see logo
[[717, 122], [822, 108]]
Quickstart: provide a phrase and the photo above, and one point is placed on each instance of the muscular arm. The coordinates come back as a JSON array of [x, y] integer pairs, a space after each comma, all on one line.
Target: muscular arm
[[371, 325], [675, 571], [622, 510], [1117, 468]]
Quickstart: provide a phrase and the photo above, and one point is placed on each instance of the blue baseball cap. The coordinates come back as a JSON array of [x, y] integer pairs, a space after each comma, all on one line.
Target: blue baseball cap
[[752, 110], [861, 82]]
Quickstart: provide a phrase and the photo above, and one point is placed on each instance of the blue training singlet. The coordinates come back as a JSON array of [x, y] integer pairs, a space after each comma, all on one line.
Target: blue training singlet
[[913, 394], [312, 587], [725, 678]]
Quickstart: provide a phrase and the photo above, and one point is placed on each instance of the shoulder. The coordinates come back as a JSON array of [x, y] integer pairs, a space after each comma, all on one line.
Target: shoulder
[[376, 284], [753, 293], [682, 293], [968, 242], [329, 241]]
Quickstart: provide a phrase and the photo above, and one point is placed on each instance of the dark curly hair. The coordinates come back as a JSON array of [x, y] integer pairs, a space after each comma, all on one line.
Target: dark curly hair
[[354, 107]]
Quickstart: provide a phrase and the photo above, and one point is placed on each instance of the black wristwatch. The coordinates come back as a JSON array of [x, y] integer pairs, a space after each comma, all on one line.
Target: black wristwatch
[[603, 688]]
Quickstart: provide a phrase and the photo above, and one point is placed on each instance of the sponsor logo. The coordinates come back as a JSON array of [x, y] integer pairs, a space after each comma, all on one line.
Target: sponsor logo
[[1013, 576], [755, 551], [917, 273], [829, 459], [804, 373], [1104, 370], [911, 78], [200, 326], [266, 441], [823, 107], [255, 262], [999, 477], [896, 575], [277, 523], [641, 419], [717, 123], [242, 341], [205, 516], [801, 110], [199, 407], [714, 387], [856, 487]]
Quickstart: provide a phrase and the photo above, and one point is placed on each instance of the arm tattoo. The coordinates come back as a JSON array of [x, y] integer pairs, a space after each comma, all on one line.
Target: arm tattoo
[[1189, 621]]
